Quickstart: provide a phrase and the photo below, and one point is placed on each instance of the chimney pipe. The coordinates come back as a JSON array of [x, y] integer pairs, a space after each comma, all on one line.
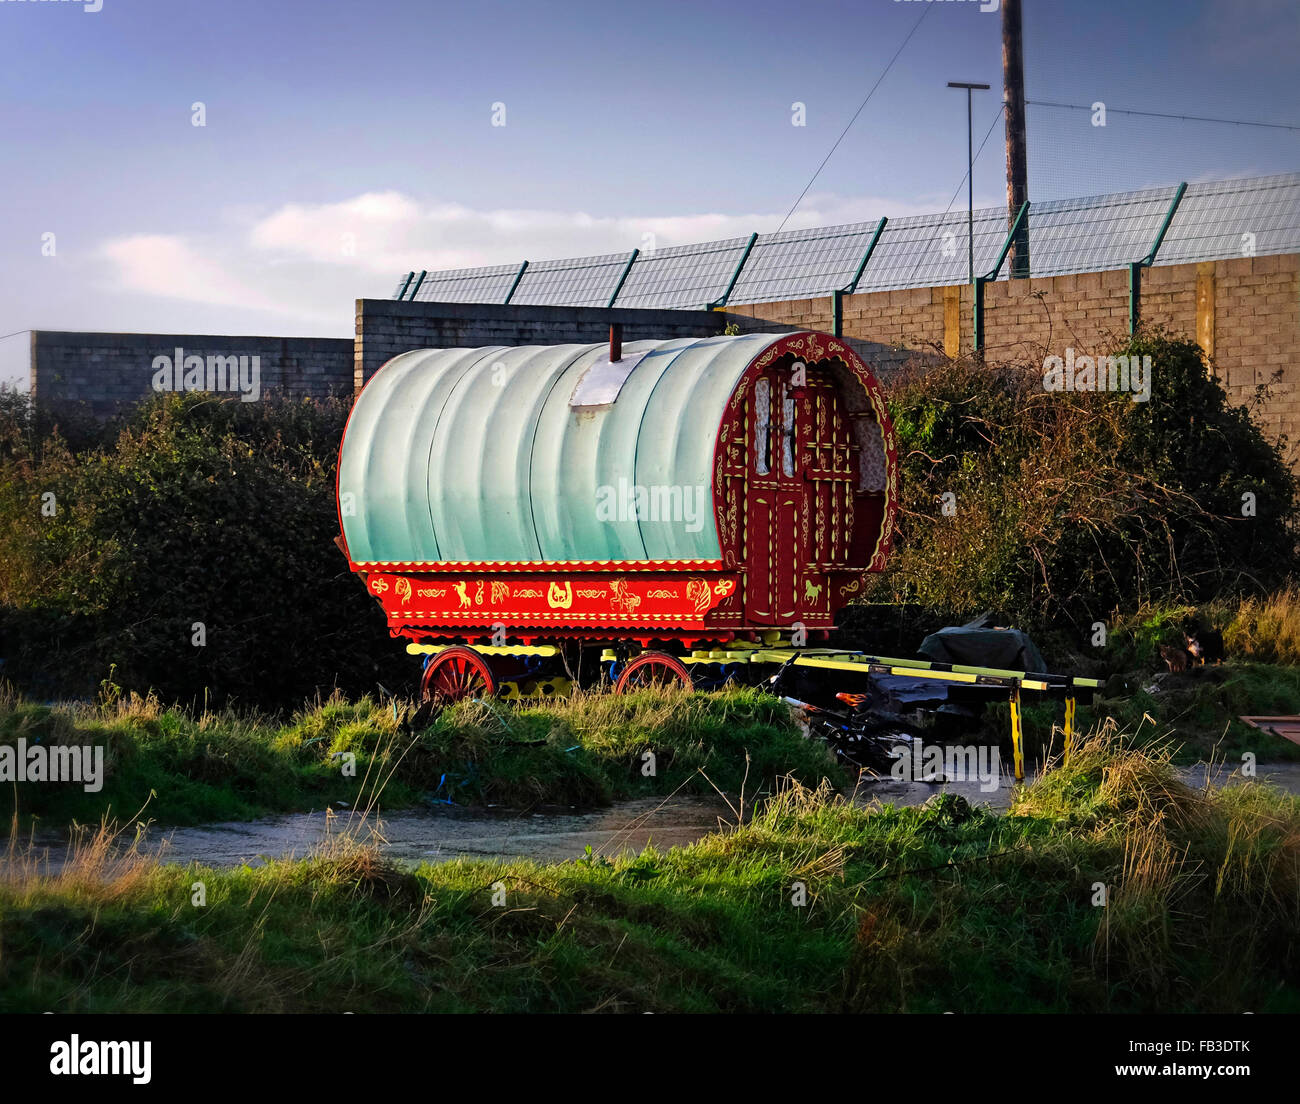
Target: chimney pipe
[[615, 342]]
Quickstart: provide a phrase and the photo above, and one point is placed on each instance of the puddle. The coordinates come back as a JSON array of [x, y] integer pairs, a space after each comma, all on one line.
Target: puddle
[[1285, 776], [439, 835], [443, 834]]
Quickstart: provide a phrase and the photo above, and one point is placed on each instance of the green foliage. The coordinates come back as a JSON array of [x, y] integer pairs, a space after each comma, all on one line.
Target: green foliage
[[1202, 709], [201, 511], [27, 428], [584, 751], [1072, 504]]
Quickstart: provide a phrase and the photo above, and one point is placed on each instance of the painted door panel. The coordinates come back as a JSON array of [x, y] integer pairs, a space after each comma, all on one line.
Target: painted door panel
[[777, 500], [829, 461]]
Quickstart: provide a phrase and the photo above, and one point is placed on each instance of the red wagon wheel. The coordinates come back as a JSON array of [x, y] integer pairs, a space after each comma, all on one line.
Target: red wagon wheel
[[457, 673], [652, 669]]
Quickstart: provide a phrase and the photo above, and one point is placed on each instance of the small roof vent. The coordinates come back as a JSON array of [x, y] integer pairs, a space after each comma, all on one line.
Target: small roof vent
[[601, 383]]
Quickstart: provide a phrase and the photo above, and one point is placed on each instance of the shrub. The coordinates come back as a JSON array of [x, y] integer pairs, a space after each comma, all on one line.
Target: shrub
[[202, 511], [1072, 504]]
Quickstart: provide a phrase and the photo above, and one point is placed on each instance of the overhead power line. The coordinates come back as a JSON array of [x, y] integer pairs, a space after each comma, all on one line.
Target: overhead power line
[[924, 13], [996, 116], [975, 160], [1166, 115]]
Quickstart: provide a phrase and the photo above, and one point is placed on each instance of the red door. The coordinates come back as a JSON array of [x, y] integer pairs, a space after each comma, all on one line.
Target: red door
[[827, 460], [801, 495], [776, 506]]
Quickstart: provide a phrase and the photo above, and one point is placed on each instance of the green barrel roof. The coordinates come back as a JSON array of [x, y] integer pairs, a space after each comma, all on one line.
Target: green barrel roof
[[504, 454]]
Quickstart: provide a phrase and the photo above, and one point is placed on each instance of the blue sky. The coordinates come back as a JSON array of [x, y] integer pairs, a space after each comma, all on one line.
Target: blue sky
[[348, 142]]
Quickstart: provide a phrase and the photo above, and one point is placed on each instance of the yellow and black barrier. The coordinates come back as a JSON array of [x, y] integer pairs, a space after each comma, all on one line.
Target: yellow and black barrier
[[958, 673], [861, 663]]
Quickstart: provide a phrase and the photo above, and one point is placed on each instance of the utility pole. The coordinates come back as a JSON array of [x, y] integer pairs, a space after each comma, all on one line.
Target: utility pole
[[1013, 86], [970, 178]]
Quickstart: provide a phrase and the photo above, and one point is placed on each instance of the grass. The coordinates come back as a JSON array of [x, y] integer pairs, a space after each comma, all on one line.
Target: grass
[[1201, 707], [582, 751], [170, 766], [940, 908], [1199, 711], [1260, 629], [1266, 629]]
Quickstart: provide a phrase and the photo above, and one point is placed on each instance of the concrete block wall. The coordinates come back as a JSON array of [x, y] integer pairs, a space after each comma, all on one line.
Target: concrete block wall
[[906, 320], [1255, 323], [1167, 296], [1031, 318], [805, 314], [107, 371], [1245, 312], [386, 327], [887, 328]]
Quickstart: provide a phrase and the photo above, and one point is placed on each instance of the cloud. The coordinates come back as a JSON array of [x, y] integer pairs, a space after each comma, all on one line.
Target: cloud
[[294, 289], [367, 227], [309, 261], [393, 233], [169, 265]]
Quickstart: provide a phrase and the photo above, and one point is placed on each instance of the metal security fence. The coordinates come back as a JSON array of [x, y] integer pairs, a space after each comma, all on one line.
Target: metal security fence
[[1095, 234], [682, 275], [1235, 218], [929, 250], [1173, 225], [784, 266], [459, 285], [579, 282]]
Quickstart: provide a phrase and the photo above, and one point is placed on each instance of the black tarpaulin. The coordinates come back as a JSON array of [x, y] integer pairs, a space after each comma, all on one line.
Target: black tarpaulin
[[1009, 649]]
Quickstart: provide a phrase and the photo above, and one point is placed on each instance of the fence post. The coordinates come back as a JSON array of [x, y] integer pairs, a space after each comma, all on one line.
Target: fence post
[[623, 278], [977, 288], [1135, 267], [722, 302], [862, 264], [518, 276]]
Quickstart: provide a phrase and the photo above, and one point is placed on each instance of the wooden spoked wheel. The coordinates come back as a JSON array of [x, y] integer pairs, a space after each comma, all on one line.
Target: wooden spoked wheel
[[457, 673], [652, 669]]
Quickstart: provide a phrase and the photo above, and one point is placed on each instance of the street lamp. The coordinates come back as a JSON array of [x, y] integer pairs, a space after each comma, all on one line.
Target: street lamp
[[970, 177]]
